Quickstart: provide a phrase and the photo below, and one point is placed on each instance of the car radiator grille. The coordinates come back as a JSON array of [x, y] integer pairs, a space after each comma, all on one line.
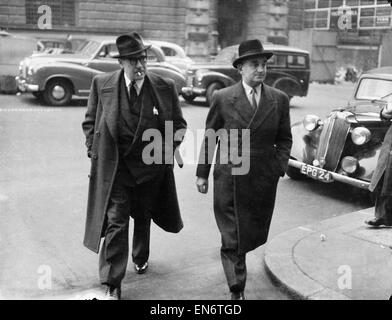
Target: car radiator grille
[[24, 71], [332, 140]]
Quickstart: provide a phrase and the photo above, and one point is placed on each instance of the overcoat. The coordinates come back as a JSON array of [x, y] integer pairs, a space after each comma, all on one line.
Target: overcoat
[[251, 195], [384, 166], [101, 130]]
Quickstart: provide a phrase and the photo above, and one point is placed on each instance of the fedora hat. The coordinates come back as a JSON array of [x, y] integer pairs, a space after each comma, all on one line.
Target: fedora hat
[[129, 45], [251, 49]]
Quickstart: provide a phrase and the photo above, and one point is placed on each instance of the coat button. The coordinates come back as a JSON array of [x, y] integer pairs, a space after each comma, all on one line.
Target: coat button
[[98, 133]]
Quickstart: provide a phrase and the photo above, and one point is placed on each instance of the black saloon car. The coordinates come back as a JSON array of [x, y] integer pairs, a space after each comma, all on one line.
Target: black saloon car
[[288, 70], [346, 144]]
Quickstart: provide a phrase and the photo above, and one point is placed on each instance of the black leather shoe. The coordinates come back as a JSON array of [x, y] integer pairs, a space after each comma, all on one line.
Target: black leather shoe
[[112, 293], [141, 268], [378, 223], [237, 296]]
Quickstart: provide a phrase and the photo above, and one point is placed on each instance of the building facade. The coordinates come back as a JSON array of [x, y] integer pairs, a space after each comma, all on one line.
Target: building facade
[[201, 26], [359, 31]]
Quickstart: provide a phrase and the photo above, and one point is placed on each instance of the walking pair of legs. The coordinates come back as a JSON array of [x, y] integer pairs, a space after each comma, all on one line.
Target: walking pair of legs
[[113, 257]]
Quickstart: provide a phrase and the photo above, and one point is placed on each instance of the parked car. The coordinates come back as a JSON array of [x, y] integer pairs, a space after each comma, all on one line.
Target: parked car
[[288, 70], [174, 54], [57, 78], [346, 144]]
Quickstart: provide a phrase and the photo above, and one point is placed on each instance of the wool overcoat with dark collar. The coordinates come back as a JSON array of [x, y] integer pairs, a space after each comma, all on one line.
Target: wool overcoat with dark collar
[[101, 130]]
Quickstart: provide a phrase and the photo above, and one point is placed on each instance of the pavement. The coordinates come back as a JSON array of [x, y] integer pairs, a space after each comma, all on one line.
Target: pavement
[[336, 259]]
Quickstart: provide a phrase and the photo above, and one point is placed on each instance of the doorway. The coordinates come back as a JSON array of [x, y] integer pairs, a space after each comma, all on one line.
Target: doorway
[[232, 22]]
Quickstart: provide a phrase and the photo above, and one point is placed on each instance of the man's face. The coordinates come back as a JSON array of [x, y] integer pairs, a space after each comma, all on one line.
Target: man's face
[[135, 67], [253, 71]]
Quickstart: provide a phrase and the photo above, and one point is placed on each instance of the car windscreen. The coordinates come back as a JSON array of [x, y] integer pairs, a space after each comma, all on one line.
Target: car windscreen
[[370, 88], [227, 55], [90, 48]]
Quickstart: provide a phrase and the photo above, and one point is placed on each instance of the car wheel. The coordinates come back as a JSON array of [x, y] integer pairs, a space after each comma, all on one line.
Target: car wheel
[[38, 94], [189, 97], [211, 89], [58, 92]]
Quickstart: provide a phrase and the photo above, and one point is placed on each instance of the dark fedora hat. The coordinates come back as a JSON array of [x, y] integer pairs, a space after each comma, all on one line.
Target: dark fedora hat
[[251, 49], [129, 45]]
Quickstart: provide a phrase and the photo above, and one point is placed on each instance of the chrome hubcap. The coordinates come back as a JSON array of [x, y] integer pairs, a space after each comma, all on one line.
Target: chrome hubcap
[[58, 92]]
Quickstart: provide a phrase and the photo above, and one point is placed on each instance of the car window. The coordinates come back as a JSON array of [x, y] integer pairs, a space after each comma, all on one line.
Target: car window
[[373, 88], [107, 51], [169, 52], [227, 54], [151, 56], [90, 48], [278, 60], [296, 61]]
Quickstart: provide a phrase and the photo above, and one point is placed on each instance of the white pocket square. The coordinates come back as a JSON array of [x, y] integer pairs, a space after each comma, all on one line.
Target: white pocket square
[[155, 111]]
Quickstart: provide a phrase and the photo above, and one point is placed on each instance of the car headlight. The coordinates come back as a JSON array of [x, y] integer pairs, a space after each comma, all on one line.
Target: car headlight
[[360, 135], [311, 122], [349, 164], [30, 70]]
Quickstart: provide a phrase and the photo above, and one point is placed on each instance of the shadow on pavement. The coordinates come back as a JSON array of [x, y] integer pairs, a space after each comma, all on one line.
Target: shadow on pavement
[[336, 191]]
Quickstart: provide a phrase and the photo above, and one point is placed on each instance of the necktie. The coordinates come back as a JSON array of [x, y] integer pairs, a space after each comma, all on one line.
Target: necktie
[[132, 93], [254, 102]]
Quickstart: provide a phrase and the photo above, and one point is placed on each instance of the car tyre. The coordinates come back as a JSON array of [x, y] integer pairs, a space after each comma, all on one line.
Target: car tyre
[[211, 89], [38, 94], [58, 92], [189, 98]]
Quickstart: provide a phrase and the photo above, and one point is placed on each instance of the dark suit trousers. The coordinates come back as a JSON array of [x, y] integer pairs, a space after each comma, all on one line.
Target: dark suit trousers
[[233, 263], [383, 206], [114, 252]]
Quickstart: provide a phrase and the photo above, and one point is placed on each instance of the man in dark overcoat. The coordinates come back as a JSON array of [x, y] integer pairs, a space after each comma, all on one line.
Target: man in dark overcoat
[[381, 183], [121, 107], [244, 200]]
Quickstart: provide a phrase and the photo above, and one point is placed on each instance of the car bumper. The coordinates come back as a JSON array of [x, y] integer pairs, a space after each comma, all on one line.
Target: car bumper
[[26, 87], [336, 176], [193, 91]]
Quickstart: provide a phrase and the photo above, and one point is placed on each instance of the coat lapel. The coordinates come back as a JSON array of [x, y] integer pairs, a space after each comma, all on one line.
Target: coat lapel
[[266, 105], [241, 103], [159, 92], [110, 102], [156, 91]]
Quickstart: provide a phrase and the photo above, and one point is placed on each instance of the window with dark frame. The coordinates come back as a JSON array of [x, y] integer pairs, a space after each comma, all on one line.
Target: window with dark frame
[[63, 12]]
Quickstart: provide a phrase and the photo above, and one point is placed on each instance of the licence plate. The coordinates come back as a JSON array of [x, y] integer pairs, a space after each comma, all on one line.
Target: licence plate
[[316, 173]]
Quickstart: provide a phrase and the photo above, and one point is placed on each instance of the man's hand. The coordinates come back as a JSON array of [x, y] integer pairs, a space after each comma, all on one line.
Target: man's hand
[[202, 185], [387, 111]]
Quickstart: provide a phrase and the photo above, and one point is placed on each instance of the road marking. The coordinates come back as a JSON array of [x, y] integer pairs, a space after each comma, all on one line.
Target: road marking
[[305, 229], [32, 110]]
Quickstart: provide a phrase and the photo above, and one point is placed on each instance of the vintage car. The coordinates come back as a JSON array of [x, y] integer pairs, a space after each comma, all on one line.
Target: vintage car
[[346, 144], [59, 78], [174, 54], [288, 70]]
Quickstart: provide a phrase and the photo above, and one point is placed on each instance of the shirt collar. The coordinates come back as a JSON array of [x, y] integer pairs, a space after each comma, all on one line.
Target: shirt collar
[[249, 89], [139, 83]]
